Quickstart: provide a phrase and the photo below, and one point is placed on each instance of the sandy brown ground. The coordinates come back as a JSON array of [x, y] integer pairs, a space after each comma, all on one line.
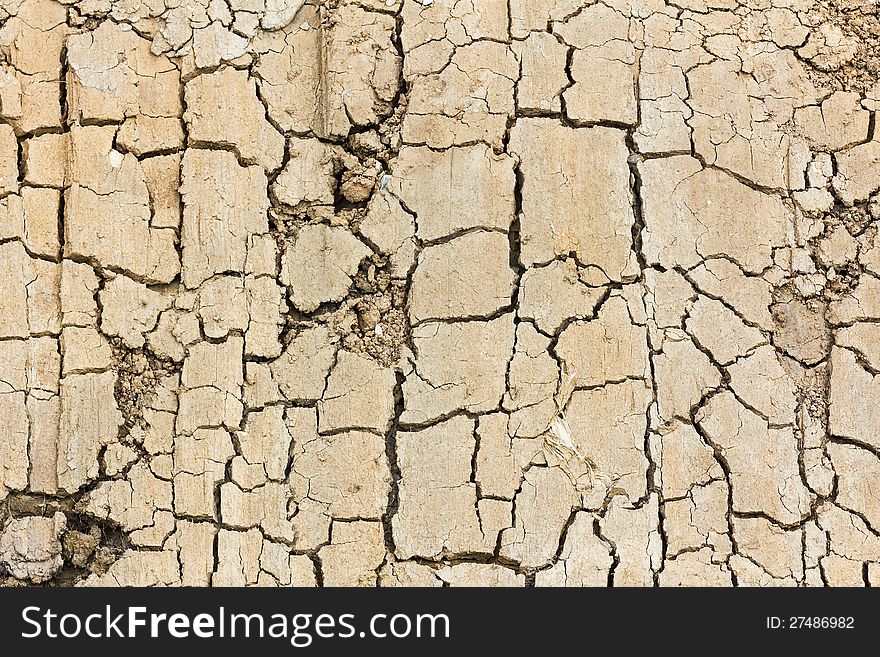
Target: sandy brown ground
[[368, 292]]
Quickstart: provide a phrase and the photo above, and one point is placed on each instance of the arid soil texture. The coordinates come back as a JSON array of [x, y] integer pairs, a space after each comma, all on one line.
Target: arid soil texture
[[428, 293]]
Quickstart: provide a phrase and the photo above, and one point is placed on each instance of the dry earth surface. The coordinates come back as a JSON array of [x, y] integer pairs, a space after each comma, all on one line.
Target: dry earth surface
[[429, 293]]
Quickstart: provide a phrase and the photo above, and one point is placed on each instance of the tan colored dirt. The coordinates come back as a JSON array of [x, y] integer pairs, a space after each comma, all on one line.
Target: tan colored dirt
[[439, 292]]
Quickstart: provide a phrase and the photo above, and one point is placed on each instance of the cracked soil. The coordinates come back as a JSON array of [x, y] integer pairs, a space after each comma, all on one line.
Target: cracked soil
[[439, 293]]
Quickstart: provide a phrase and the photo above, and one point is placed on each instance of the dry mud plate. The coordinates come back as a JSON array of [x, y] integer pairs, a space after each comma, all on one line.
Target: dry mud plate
[[427, 293]]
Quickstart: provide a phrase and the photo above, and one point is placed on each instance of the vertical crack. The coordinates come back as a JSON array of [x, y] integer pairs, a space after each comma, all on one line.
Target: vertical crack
[[393, 466]]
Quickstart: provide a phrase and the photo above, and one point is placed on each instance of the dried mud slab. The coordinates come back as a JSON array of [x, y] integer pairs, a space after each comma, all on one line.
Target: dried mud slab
[[439, 293]]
